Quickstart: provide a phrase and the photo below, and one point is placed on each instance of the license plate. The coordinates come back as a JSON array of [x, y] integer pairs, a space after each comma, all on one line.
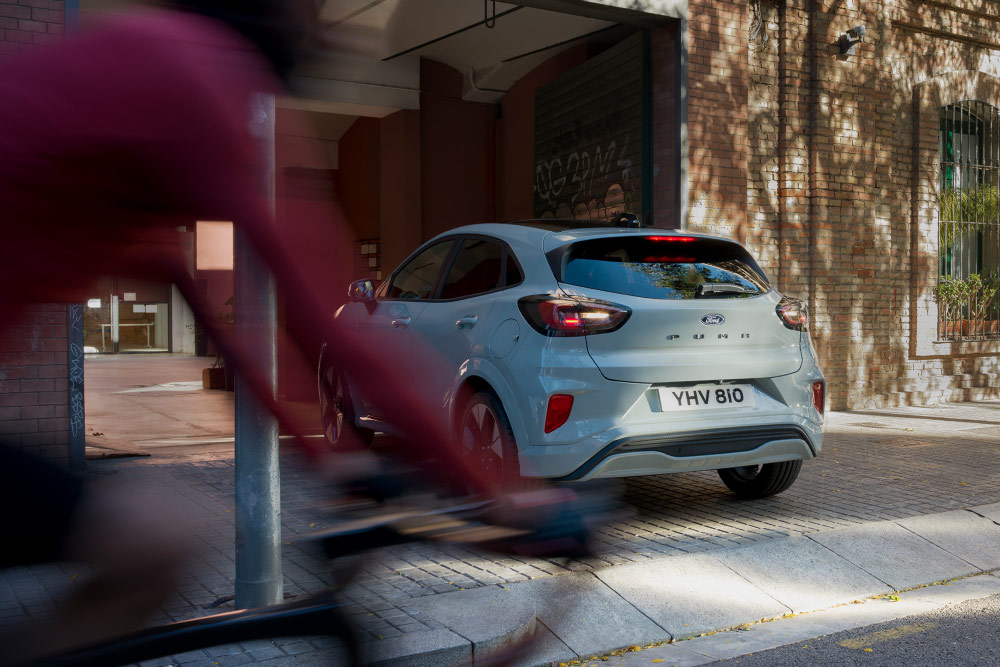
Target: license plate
[[712, 397]]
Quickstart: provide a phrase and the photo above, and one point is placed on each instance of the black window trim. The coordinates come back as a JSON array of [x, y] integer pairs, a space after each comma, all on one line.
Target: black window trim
[[449, 262], [446, 266]]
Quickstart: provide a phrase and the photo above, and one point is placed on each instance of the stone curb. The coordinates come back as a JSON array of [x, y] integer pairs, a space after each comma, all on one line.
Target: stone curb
[[680, 597]]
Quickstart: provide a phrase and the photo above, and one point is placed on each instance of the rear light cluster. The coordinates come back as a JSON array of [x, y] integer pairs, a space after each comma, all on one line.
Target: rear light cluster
[[819, 395], [793, 313], [560, 316]]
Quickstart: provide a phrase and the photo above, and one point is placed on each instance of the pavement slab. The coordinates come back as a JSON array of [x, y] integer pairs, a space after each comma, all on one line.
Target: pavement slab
[[491, 618], [971, 537], [893, 554], [803, 628], [801, 574], [689, 595], [586, 614], [419, 649], [991, 511], [545, 649]]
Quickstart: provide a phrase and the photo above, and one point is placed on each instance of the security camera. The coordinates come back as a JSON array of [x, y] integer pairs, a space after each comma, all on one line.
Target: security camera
[[849, 40]]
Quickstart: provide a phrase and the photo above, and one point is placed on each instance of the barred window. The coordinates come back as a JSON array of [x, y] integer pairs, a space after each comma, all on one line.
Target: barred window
[[969, 239]]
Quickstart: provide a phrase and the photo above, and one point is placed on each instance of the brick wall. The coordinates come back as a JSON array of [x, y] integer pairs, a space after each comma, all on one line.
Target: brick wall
[[841, 174], [26, 23], [717, 116], [34, 382]]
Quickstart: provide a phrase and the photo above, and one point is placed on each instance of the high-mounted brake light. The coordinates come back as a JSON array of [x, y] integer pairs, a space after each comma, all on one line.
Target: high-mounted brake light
[[557, 316], [793, 313], [681, 239], [557, 411], [667, 259]]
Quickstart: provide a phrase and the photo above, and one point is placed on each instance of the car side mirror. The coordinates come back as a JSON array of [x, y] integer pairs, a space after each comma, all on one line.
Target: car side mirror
[[361, 291]]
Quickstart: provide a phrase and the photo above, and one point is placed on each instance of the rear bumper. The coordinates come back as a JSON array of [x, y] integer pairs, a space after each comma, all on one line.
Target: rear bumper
[[697, 450]]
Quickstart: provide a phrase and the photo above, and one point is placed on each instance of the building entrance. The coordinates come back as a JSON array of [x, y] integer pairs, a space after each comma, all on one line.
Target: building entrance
[[125, 316]]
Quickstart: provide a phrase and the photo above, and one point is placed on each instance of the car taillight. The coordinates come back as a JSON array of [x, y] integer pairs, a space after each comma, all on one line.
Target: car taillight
[[793, 313], [558, 411], [819, 395], [559, 316]]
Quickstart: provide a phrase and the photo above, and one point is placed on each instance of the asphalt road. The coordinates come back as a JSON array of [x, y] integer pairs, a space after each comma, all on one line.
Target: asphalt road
[[961, 634]]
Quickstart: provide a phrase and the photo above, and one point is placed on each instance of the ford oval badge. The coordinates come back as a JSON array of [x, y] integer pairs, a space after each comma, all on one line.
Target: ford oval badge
[[712, 319]]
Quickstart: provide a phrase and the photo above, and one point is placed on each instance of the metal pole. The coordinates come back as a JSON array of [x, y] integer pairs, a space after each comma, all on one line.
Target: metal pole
[[258, 486]]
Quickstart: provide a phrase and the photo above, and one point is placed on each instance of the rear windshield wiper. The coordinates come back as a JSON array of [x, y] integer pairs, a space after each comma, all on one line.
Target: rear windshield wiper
[[710, 289]]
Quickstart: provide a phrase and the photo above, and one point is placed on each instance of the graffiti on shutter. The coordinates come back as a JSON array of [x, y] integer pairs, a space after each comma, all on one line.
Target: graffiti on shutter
[[588, 137]]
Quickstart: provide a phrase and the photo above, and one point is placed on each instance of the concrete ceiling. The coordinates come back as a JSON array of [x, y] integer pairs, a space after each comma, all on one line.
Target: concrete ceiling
[[454, 32]]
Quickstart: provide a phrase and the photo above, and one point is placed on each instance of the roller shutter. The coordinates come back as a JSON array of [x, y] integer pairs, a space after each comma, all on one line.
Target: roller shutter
[[589, 137]]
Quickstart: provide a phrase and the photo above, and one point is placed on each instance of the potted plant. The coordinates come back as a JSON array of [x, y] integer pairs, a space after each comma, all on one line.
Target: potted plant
[[952, 294], [219, 375], [981, 295]]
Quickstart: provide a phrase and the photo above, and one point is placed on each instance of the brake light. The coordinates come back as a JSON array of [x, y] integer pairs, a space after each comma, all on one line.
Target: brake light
[[819, 395], [557, 316], [793, 313], [558, 411], [667, 259], [680, 239]]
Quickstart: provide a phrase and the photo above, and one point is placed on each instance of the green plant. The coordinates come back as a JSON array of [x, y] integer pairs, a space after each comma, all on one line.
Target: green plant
[[961, 209], [952, 295], [981, 294], [974, 292]]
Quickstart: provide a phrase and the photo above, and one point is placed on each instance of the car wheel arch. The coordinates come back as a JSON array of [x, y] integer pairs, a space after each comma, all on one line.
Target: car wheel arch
[[477, 375]]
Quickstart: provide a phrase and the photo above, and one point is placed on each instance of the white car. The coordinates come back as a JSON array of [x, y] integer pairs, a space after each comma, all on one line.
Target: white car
[[572, 352]]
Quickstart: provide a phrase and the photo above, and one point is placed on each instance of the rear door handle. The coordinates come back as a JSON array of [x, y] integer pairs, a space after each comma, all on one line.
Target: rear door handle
[[467, 322], [401, 323]]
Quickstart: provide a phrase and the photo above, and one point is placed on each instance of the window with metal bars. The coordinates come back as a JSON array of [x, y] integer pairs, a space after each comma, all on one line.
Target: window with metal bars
[[969, 230]]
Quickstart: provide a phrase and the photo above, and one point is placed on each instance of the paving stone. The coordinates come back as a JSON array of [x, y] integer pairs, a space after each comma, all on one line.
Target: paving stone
[[801, 574], [586, 615], [265, 653], [965, 534], [893, 554], [681, 594]]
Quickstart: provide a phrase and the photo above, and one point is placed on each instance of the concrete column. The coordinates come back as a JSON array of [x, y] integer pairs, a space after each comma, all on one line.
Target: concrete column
[[258, 482]]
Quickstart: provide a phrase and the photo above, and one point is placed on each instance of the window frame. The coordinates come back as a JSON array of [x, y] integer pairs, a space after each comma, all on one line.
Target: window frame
[[508, 255], [380, 294]]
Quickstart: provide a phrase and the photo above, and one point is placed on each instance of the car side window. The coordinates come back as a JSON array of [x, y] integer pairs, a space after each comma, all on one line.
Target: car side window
[[476, 269], [513, 271], [416, 279]]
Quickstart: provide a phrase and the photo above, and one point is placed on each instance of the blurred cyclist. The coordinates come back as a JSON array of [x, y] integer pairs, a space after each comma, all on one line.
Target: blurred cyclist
[[108, 142]]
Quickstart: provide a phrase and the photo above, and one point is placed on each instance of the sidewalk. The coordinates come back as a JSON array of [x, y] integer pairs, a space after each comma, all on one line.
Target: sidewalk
[[885, 507]]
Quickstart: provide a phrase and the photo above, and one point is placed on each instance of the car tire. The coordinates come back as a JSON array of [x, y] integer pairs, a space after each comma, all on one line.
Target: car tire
[[761, 481], [486, 438], [336, 408]]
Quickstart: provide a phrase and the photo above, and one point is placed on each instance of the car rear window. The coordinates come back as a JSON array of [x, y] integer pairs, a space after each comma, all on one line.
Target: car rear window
[[660, 267]]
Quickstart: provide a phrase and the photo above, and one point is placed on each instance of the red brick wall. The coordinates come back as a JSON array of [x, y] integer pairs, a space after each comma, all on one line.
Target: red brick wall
[[34, 385], [25, 23], [717, 116], [842, 172]]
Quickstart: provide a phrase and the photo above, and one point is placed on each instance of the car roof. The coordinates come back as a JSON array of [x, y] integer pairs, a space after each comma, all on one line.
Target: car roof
[[534, 231]]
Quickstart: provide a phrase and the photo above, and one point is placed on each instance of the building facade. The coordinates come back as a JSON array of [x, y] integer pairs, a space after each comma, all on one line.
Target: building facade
[[853, 146]]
